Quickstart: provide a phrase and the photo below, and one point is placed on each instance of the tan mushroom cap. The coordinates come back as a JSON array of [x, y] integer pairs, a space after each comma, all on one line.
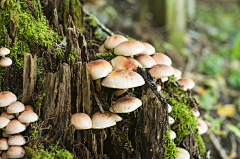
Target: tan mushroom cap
[[81, 121], [187, 83], [99, 68], [7, 98], [195, 112], [160, 71], [170, 120], [161, 58], [4, 51], [7, 115], [183, 154], [129, 48], [15, 107], [177, 73], [115, 117], [149, 49], [122, 79], [15, 152], [4, 144], [28, 108], [3, 122], [28, 117], [101, 49], [202, 126], [125, 105], [16, 140], [146, 61], [172, 134], [135, 62], [102, 120], [4, 134], [121, 62], [4, 155], [14, 127], [5, 62], [114, 40]]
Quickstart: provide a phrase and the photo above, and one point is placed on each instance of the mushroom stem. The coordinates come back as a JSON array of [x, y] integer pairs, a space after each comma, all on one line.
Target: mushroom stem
[[164, 79], [120, 91], [98, 85], [17, 114], [27, 124]]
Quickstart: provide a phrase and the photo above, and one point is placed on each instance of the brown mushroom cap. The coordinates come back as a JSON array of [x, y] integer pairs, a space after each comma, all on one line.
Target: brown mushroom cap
[[15, 107], [7, 98], [149, 49], [202, 126], [125, 105], [172, 134], [160, 71], [4, 51], [183, 154], [114, 40], [129, 48], [4, 144], [16, 140], [7, 115], [28, 117], [146, 61], [122, 79], [3, 122], [161, 58], [28, 108], [135, 62], [101, 49], [99, 68], [187, 83], [177, 73], [15, 152], [121, 62], [102, 120], [15, 126], [81, 121], [5, 62]]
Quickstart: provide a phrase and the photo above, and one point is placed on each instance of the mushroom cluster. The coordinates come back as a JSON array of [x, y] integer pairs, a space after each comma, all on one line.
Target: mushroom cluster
[[5, 61], [14, 121]]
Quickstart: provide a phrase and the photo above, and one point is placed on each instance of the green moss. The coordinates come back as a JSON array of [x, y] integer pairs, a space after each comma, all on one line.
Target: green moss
[[73, 56]]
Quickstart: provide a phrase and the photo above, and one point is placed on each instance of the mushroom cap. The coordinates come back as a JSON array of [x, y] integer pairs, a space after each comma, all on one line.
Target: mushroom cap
[[187, 83], [4, 51], [129, 48], [16, 140], [102, 120], [169, 108], [99, 68], [125, 105], [202, 126], [158, 87], [15, 126], [4, 155], [101, 49], [121, 62], [122, 79], [116, 117], [5, 62], [28, 117], [4, 134], [183, 154], [114, 40], [15, 152], [81, 121], [177, 73], [149, 49], [172, 134], [7, 115], [3, 144], [161, 71], [170, 120], [195, 112], [3, 122], [28, 108], [7, 98], [161, 58], [15, 107], [135, 62], [146, 61]]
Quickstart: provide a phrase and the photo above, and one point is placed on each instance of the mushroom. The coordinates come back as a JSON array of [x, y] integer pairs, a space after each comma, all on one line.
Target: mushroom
[[161, 71], [169, 108], [183, 154], [3, 122], [172, 134], [170, 120], [120, 91], [125, 105], [28, 117], [16, 140], [4, 134], [15, 107], [28, 108], [4, 155], [99, 69], [195, 112], [5, 62], [3, 144], [187, 83], [7, 115], [202, 126], [101, 49], [102, 120], [7, 98], [149, 49], [135, 62], [122, 79], [114, 40], [158, 87], [15, 152], [4, 51], [129, 48], [146, 61], [177, 74], [15, 126], [161, 58], [121, 62], [81, 121], [115, 117]]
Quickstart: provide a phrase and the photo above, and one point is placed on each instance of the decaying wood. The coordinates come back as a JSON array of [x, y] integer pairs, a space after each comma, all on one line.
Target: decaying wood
[[13, 30], [190, 144], [29, 77]]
